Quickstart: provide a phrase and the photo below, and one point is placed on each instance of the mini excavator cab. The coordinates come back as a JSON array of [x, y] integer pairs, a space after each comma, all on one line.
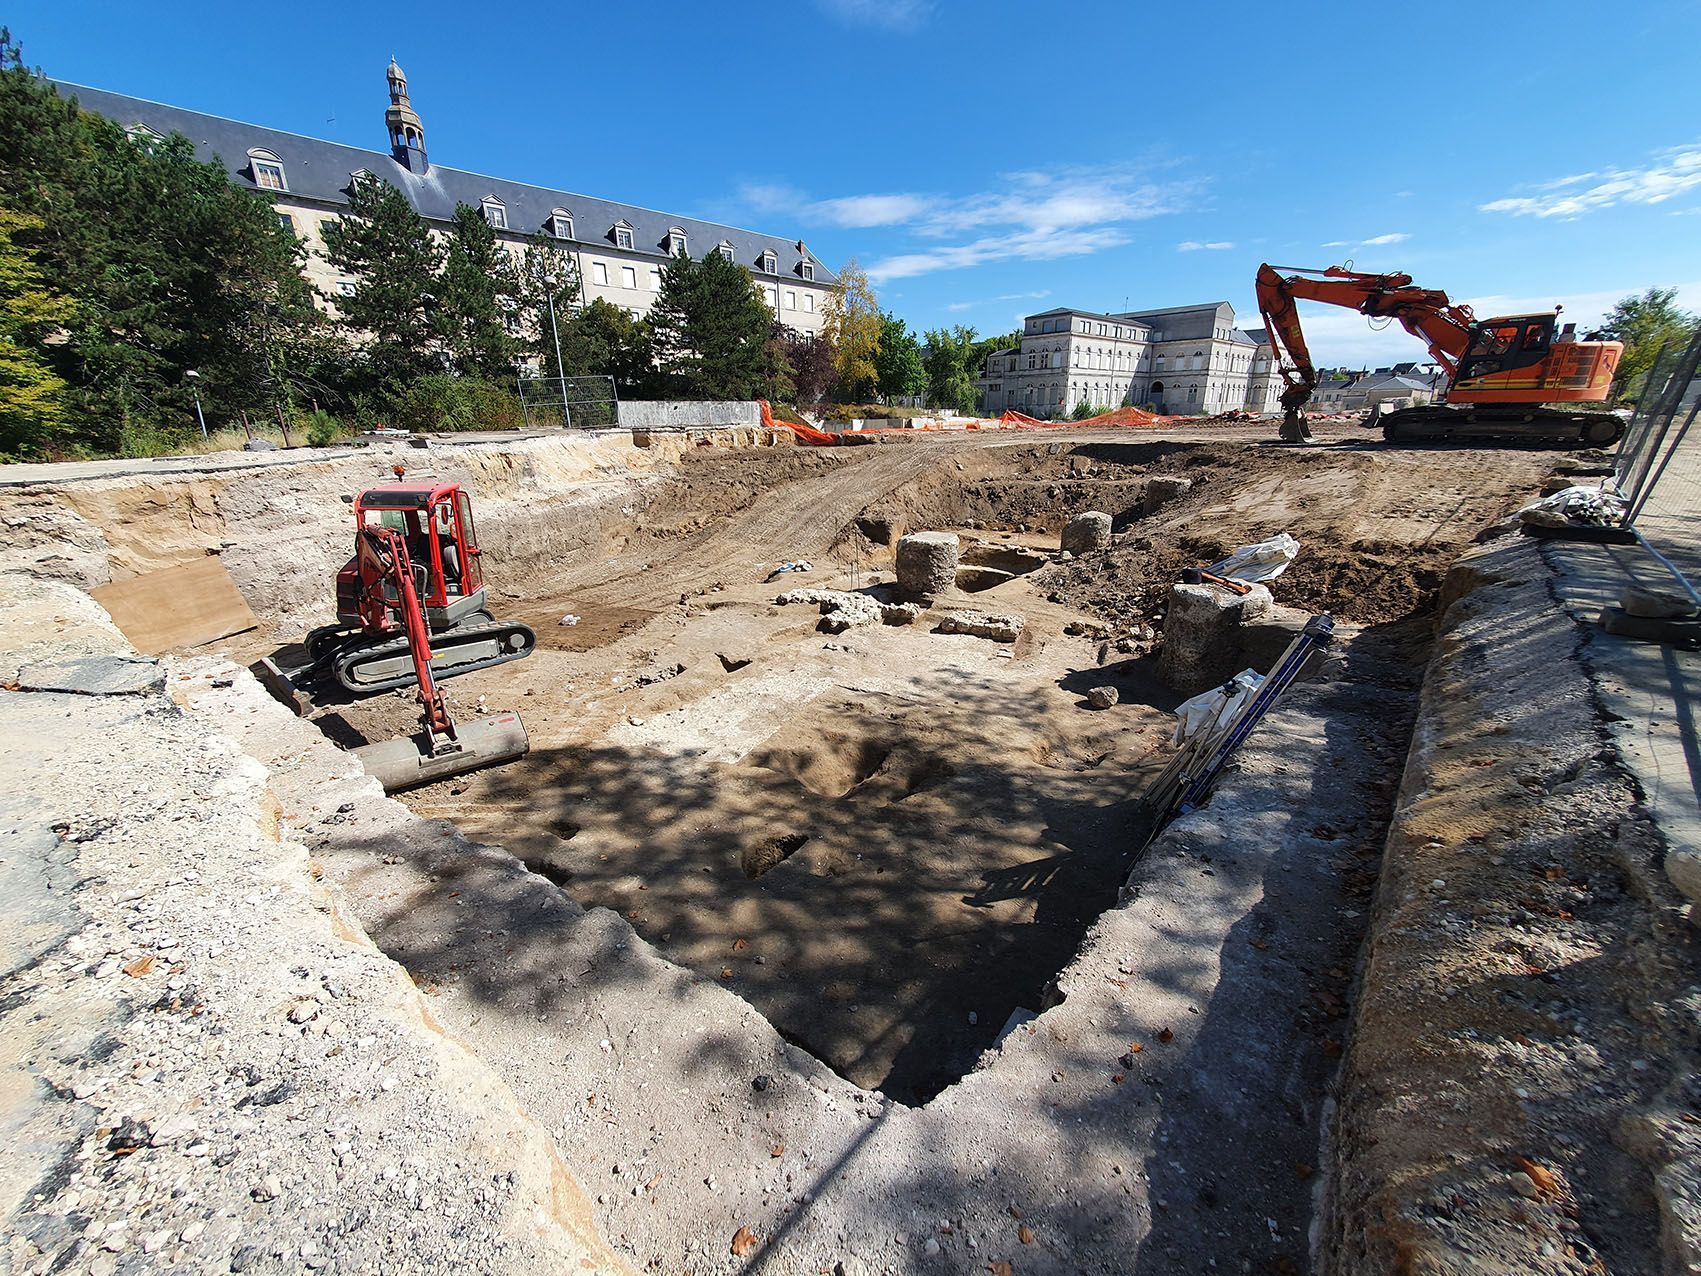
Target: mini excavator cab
[[436, 524]]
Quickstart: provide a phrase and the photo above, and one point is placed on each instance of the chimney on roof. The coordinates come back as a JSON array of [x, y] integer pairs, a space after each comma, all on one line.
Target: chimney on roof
[[407, 133]]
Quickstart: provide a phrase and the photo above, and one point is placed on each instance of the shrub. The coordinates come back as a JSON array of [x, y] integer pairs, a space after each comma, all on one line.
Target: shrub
[[443, 402], [322, 429]]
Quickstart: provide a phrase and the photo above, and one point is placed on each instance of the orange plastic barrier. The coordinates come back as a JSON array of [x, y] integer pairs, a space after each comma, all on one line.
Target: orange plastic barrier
[[805, 433]]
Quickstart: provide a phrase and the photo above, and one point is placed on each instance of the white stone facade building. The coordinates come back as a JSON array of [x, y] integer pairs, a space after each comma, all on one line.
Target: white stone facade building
[[1183, 360], [617, 249]]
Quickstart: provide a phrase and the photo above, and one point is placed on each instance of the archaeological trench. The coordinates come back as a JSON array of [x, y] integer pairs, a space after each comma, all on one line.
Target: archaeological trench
[[799, 948]]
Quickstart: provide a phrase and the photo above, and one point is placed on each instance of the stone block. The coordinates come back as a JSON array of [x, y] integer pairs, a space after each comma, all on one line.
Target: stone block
[[1085, 532], [927, 563], [1201, 647], [983, 624], [1161, 490], [1102, 697]]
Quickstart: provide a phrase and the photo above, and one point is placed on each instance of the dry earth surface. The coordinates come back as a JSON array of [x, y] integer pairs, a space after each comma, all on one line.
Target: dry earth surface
[[741, 934]]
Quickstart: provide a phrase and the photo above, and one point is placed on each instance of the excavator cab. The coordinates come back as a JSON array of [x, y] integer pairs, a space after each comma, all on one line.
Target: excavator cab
[[436, 524]]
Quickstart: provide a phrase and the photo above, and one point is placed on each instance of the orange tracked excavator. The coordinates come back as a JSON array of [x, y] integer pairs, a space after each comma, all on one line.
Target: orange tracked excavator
[[411, 611], [1508, 378]]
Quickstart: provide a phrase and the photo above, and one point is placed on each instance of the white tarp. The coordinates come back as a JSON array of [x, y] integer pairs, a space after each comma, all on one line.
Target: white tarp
[[1209, 709], [1257, 563]]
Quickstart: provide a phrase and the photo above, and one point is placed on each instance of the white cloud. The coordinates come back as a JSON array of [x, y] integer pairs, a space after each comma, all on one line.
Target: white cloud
[[959, 306], [1193, 246], [1667, 174], [893, 15], [1030, 245], [1375, 241], [850, 212]]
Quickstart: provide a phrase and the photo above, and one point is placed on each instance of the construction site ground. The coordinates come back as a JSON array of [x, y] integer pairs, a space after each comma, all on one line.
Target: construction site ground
[[791, 950]]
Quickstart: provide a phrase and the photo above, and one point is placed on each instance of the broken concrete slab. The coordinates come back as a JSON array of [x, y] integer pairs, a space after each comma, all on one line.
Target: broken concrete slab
[[94, 676], [1086, 532]]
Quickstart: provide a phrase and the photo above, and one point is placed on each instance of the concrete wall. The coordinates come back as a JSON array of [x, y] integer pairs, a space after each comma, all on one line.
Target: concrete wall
[[646, 414]]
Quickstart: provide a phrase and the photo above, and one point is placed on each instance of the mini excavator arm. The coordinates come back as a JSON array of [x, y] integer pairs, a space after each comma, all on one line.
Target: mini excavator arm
[[383, 552]]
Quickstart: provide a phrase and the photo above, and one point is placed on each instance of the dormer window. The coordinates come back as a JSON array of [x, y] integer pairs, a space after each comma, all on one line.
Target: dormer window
[[725, 250], [806, 268], [770, 264], [676, 242], [143, 136], [267, 171], [622, 235], [495, 213], [561, 224]]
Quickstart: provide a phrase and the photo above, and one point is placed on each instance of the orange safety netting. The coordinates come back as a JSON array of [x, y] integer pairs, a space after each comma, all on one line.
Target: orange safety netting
[[1008, 420]]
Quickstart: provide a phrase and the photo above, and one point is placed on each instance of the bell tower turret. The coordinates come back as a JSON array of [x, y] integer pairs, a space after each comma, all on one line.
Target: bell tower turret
[[407, 134]]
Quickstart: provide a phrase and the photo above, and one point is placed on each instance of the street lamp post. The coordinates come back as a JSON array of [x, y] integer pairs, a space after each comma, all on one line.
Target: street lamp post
[[560, 371], [194, 379]]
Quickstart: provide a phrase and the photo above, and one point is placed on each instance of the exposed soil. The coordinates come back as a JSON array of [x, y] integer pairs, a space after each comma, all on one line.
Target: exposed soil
[[890, 840]]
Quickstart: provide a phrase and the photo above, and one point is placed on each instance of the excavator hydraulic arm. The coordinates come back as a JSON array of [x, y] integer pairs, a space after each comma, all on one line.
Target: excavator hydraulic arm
[[1427, 313]]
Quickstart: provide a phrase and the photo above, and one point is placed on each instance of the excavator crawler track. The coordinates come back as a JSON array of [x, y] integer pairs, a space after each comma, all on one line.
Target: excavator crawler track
[[385, 666], [1541, 427]]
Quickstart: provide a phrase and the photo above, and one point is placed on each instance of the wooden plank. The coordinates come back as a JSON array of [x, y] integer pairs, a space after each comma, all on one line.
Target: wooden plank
[[182, 606]]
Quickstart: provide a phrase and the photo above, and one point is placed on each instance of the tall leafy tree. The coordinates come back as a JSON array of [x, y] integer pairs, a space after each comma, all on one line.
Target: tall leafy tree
[[1645, 324], [32, 396], [813, 364], [478, 299], [390, 250], [603, 340], [162, 259], [546, 278], [950, 377], [710, 327], [897, 363], [853, 328]]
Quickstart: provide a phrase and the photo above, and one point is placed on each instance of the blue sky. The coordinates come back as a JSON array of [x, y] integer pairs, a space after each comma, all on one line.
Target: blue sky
[[986, 159]]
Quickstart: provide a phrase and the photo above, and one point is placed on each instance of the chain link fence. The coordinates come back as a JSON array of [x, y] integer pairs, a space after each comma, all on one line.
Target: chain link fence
[[569, 403], [1658, 467]]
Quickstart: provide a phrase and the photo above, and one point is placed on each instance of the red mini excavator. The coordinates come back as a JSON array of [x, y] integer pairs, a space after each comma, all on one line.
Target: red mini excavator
[[1507, 378], [411, 610]]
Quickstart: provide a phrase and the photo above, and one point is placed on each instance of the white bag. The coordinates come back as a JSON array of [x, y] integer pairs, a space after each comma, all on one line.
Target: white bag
[[1209, 709], [1256, 563]]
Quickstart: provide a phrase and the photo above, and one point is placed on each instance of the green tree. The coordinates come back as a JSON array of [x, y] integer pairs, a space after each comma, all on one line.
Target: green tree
[[950, 378], [1644, 324], [710, 328], [394, 312], [546, 276], [853, 329], [478, 299], [167, 266], [32, 406], [897, 363], [603, 340]]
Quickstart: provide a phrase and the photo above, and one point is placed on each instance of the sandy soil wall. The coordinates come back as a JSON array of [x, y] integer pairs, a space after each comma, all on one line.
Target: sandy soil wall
[[282, 529]]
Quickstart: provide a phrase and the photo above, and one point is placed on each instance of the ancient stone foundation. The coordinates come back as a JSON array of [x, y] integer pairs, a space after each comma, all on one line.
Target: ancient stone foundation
[[927, 564], [1202, 634], [1161, 490]]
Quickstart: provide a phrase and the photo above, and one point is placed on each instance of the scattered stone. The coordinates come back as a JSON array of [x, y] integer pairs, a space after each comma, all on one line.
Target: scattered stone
[[1086, 532], [841, 610], [130, 1135], [267, 1189], [1162, 489], [761, 1081], [927, 564], [1102, 697], [1655, 604], [983, 624]]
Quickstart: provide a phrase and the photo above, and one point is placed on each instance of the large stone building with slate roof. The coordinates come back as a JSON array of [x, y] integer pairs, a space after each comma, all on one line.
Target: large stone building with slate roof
[[1181, 359], [618, 249]]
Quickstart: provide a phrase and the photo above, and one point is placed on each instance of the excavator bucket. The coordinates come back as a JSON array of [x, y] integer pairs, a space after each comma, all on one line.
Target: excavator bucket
[[410, 761]]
